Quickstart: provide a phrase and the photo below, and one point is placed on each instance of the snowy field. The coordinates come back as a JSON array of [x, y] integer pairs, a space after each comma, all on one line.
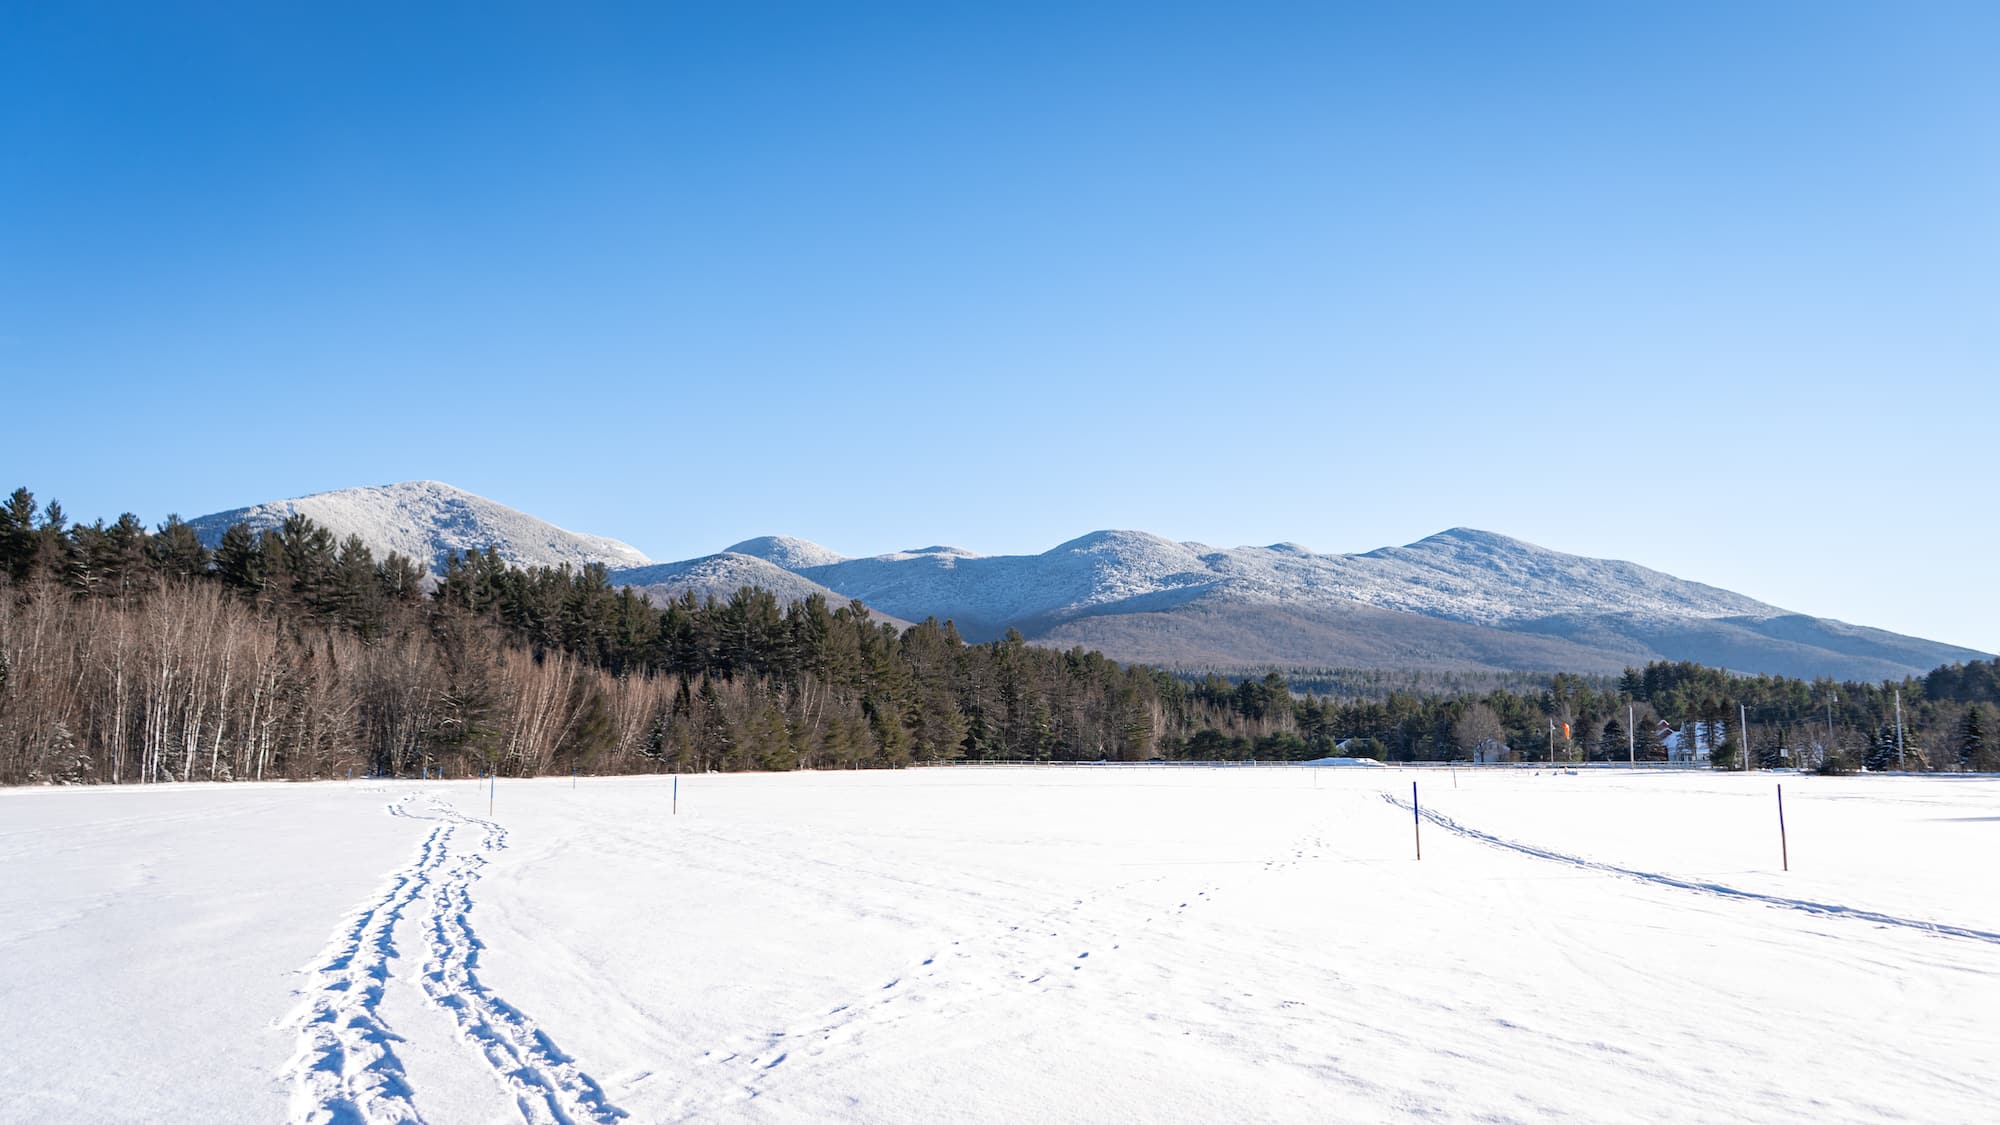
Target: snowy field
[[1118, 945]]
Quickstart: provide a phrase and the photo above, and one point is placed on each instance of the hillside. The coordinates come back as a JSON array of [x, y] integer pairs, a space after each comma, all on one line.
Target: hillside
[[720, 575], [1462, 598], [426, 520], [1459, 599]]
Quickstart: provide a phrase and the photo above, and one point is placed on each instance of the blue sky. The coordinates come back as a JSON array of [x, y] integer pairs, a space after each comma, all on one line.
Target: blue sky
[[1709, 287]]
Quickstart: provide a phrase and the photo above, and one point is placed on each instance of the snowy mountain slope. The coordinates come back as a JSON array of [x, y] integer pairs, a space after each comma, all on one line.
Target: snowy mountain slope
[[1460, 598], [1459, 575], [1141, 597], [721, 575], [426, 520], [1469, 575], [1218, 632], [785, 551], [986, 595]]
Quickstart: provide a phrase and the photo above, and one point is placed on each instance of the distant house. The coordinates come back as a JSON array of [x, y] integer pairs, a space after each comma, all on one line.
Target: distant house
[[1694, 743], [1490, 751], [1364, 748]]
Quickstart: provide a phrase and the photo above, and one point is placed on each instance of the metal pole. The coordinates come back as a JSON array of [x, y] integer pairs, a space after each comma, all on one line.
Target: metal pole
[[1784, 849], [1417, 818]]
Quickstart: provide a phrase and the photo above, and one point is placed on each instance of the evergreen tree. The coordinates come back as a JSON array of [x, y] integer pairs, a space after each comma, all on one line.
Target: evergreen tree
[[336, 658], [401, 579], [176, 551], [17, 535], [774, 746], [1881, 753], [55, 553], [354, 586], [1613, 744], [1631, 685], [112, 561], [654, 749], [716, 743], [239, 560]]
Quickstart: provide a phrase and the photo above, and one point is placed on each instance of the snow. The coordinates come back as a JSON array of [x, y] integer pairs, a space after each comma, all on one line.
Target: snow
[[1478, 576], [1618, 612], [988, 593], [1159, 944], [1460, 575], [786, 552], [427, 519], [720, 576]]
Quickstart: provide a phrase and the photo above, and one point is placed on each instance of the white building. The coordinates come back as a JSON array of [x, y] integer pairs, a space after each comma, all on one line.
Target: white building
[[1694, 743]]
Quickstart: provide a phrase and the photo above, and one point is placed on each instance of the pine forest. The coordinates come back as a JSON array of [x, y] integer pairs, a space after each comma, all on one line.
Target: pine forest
[[136, 655]]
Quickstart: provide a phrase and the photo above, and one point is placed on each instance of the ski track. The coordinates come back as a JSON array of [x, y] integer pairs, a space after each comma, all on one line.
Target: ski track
[[344, 1069], [1699, 886]]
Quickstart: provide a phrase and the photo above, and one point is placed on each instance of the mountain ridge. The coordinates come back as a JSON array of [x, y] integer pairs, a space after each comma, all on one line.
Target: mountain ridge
[[427, 519], [1463, 597]]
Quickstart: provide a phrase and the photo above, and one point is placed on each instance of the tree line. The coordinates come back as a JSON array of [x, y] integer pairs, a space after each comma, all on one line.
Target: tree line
[[129, 654]]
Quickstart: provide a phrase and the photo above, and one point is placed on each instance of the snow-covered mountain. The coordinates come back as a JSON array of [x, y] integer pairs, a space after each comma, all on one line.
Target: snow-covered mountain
[[721, 575], [1458, 599], [1468, 575], [986, 595], [1461, 598], [785, 552], [1458, 575], [426, 520]]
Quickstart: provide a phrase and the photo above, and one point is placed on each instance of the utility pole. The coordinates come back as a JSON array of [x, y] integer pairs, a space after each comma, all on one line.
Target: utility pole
[[1899, 728], [1631, 736], [1830, 699], [1743, 720]]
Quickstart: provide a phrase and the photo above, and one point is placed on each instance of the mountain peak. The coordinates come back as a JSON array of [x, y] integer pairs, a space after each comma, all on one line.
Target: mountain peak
[[1474, 537], [1115, 539], [786, 551], [1460, 597], [428, 520]]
